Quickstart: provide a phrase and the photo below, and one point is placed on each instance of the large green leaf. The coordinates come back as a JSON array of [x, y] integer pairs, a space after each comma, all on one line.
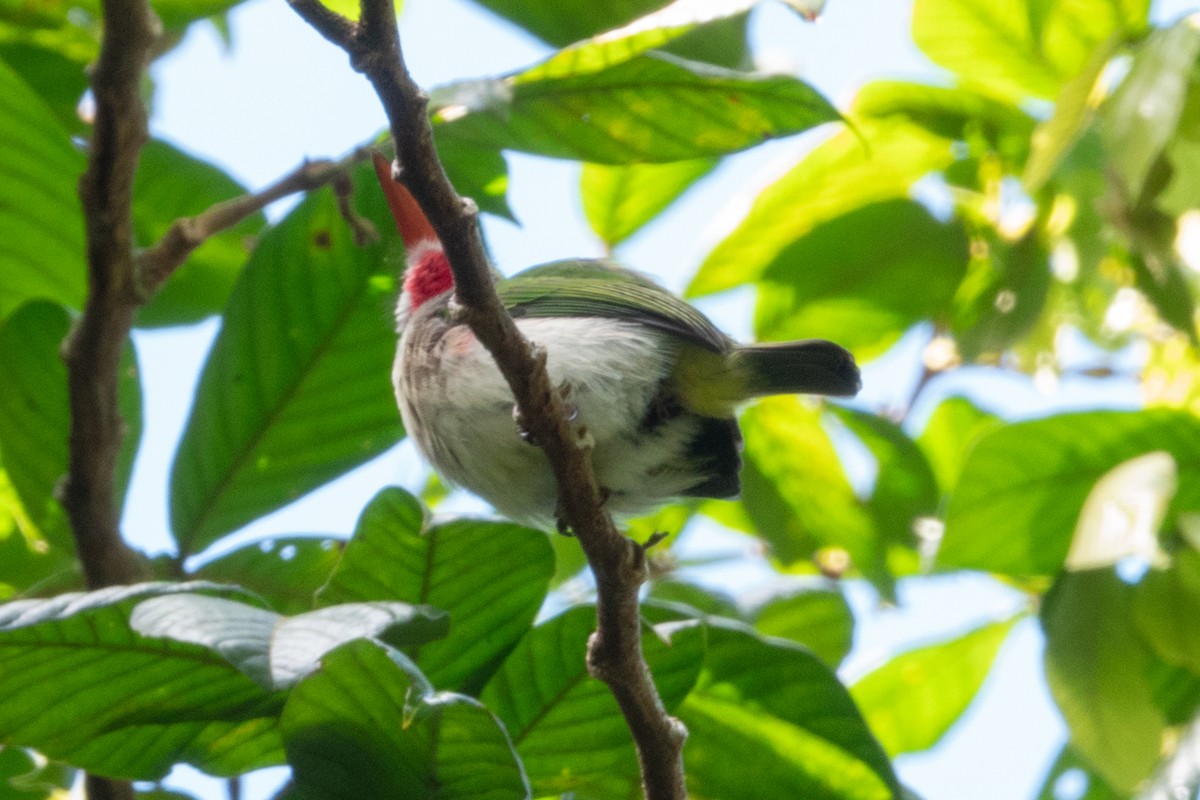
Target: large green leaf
[[366, 724], [560, 24], [652, 31], [1074, 109], [617, 115], [58, 76], [1143, 114], [957, 114], [35, 411], [905, 487], [286, 571], [1015, 507], [274, 650], [490, 577], [619, 201], [477, 172], [171, 185], [912, 700], [949, 434], [1096, 667], [565, 724], [295, 391], [817, 617], [843, 174], [81, 686], [768, 719], [41, 225], [1020, 48], [1166, 606], [1003, 294], [795, 489], [29, 562], [850, 279]]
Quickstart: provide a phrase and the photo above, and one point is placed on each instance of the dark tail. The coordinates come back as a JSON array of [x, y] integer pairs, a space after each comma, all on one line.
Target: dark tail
[[813, 366]]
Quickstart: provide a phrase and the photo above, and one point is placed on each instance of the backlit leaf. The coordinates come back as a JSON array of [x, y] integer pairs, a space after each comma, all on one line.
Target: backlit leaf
[[1023, 486], [490, 577], [615, 116], [366, 725], [296, 389]]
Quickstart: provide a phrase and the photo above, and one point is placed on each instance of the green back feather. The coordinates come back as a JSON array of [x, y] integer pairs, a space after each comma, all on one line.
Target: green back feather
[[594, 288]]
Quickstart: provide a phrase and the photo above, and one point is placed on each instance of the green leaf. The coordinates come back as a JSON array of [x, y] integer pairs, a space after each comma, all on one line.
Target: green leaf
[[1002, 295], [82, 687], [951, 431], [905, 487], [836, 177], [365, 725], [274, 650], [295, 391], [1020, 48], [615, 116], [41, 225], [565, 724], [490, 577], [619, 201], [479, 173], [681, 593], [1141, 117], [171, 185], [1159, 274], [773, 711], [849, 279], [286, 571], [912, 700], [817, 617], [645, 33], [1074, 110], [1015, 507], [29, 563], [956, 114], [1166, 605], [1069, 762], [35, 412], [561, 24], [1096, 669], [795, 489], [59, 78]]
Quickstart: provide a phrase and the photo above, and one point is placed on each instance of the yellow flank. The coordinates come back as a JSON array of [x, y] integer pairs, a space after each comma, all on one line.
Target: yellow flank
[[709, 383]]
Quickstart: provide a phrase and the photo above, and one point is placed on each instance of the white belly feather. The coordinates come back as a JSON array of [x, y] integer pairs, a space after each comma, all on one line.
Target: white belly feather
[[461, 415]]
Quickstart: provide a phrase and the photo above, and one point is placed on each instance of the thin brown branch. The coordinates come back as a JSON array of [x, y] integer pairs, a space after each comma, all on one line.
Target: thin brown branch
[[614, 653], [93, 351], [157, 263]]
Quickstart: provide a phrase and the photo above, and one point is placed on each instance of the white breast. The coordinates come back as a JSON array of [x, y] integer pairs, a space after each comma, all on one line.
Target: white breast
[[460, 412]]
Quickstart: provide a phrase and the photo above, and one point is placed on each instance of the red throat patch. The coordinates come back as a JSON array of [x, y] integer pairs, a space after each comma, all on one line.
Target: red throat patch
[[428, 274]]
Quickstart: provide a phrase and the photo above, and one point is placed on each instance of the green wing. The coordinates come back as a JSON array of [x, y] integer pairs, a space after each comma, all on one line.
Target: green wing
[[594, 288]]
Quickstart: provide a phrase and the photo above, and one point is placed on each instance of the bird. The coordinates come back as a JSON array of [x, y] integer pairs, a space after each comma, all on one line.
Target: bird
[[654, 381]]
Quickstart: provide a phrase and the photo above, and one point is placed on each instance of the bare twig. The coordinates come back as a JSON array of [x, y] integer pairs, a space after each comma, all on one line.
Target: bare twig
[[157, 263], [614, 652]]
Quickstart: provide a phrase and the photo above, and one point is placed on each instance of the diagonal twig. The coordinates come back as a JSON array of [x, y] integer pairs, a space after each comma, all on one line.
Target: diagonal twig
[[619, 565], [158, 262]]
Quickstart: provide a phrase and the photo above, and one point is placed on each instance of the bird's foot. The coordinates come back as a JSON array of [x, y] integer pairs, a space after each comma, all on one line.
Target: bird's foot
[[570, 411], [560, 521]]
